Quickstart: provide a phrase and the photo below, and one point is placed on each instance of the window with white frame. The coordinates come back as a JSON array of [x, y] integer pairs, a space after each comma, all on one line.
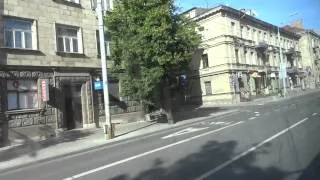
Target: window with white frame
[[107, 5], [18, 33], [73, 1], [208, 87], [68, 39], [22, 94]]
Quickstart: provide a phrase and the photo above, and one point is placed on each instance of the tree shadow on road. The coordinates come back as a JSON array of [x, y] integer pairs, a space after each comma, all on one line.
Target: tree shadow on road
[[210, 156], [31, 147], [312, 172]]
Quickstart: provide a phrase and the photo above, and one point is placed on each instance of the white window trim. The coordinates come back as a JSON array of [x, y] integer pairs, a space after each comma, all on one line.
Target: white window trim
[[14, 30], [75, 1], [79, 38]]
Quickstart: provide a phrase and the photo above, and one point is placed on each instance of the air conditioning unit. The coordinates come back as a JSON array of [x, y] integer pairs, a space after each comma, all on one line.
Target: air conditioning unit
[[107, 5]]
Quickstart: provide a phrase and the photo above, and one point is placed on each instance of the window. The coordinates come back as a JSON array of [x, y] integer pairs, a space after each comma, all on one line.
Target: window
[[252, 57], [22, 94], [18, 33], [254, 35], [208, 87], [107, 5], [233, 28], [241, 31], [246, 57], [248, 32], [236, 51], [107, 42], [271, 39], [68, 39], [73, 1], [259, 35], [205, 60], [265, 37]]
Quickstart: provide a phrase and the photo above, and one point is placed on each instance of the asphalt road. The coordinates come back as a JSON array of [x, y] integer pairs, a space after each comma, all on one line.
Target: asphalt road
[[278, 141]]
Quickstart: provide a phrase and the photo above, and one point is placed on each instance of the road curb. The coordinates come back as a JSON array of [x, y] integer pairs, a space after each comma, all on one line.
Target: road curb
[[116, 142]]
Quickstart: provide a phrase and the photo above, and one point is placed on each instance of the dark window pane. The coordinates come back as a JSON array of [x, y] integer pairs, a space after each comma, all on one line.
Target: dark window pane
[[8, 39], [28, 40], [67, 44], [75, 45], [18, 39], [205, 61], [60, 45]]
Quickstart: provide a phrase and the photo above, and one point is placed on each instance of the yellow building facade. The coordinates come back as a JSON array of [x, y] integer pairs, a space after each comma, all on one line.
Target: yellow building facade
[[239, 57]]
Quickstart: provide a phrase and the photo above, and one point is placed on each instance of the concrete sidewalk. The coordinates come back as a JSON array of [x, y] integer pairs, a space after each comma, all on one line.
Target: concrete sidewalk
[[264, 100], [82, 140]]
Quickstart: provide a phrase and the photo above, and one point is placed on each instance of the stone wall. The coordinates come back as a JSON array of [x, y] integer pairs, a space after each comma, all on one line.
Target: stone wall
[[45, 14]]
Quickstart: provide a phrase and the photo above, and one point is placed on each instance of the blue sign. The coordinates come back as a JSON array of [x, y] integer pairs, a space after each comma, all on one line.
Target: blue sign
[[98, 85]]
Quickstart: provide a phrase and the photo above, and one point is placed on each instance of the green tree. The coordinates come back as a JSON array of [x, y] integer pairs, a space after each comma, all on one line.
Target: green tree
[[150, 41]]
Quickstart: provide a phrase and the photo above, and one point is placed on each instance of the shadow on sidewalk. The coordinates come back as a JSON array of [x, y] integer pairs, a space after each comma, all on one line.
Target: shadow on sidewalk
[[196, 112], [31, 147], [206, 159]]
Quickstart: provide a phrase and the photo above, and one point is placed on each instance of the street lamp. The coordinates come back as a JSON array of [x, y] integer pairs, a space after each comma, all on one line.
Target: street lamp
[[108, 127], [283, 65]]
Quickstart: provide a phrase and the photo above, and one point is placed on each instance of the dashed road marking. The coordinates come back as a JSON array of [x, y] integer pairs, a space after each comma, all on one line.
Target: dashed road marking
[[252, 118], [86, 173], [314, 114]]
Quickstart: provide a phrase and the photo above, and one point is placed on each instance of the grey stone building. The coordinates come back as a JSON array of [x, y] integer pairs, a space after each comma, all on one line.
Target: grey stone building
[[48, 62]]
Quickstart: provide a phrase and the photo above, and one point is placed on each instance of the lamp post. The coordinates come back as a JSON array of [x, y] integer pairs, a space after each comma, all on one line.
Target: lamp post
[[283, 65], [108, 126]]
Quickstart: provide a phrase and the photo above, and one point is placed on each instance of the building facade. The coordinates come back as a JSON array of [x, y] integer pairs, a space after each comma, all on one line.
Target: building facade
[[239, 58], [310, 51], [49, 61]]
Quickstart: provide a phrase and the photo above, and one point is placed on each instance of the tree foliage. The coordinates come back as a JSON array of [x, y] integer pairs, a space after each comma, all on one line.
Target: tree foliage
[[149, 41]]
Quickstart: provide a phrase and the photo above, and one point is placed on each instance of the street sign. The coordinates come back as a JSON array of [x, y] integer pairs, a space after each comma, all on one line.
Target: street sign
[[283, 70], [98, 85], [45, 90]]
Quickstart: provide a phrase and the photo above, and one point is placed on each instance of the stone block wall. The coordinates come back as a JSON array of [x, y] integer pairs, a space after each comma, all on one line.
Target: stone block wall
[[45, 14]]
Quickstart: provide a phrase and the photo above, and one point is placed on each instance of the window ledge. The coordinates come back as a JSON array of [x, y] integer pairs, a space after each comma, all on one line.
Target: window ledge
[[23, 111], [78, 5], [21, 51], [67, 54]]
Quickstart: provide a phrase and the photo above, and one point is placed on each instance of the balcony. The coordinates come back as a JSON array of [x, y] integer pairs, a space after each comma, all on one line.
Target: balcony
[[262, 45]]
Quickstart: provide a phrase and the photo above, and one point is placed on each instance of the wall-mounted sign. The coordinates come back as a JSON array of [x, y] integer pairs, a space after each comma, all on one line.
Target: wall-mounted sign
[[98, 85], [45, 90]]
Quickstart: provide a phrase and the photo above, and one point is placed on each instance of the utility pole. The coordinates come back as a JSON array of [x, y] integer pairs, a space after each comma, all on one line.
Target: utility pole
[[282, 64], [108, 126]]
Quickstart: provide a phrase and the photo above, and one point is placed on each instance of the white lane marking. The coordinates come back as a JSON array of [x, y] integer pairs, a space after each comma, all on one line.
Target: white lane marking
[[257, 115], [252, 118], [256, 112], [184, 131], [260, 104], [314, 114], [150, 152], [227, 163]]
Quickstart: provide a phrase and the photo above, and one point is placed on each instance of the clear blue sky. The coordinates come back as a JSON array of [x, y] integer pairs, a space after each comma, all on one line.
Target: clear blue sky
[[273, 11]]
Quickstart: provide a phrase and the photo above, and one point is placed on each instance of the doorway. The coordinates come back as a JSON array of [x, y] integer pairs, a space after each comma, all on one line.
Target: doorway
[[73, 106]]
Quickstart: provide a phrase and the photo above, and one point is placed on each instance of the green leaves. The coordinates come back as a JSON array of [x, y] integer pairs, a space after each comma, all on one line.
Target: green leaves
[[149, 41]]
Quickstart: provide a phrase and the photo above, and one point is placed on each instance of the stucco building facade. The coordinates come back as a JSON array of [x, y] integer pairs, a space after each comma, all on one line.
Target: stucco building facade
[[239, 57], [49, 61]]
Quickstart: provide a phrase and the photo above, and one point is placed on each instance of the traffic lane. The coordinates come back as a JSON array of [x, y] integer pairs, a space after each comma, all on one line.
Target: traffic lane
[[89, 160], [286, 157], [71, 165], [245, 142]]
